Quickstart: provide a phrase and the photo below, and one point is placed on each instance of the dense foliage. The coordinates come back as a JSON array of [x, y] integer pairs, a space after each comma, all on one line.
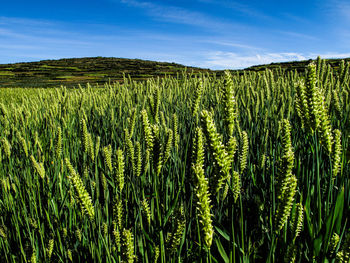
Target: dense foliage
[[238, 168]]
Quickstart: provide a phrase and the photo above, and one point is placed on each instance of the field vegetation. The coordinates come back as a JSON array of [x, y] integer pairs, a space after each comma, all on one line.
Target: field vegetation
[[243, 167], [74, 71]]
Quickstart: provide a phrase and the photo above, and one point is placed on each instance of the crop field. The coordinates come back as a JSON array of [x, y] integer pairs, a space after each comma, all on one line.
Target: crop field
[[250, 167]]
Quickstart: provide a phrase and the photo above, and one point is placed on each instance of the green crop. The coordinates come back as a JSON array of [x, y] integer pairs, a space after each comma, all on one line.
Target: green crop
[[247, 167]]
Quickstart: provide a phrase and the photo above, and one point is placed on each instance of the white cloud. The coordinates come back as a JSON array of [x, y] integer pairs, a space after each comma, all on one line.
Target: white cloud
[[244, 9], [229, 44], [229, 60], [333, 55], [4, 20], [298, 35], [343, 8], [180, 15], [338, 11]]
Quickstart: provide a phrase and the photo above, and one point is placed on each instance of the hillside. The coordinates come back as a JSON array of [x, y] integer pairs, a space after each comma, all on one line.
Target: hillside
[[296, 65], [73, 71]]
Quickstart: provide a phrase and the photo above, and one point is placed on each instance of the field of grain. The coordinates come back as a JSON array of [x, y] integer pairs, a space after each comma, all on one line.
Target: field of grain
[[198, 168]]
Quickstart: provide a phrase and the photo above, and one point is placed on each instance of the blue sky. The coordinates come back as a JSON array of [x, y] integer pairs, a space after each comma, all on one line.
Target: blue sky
[[205, 33]]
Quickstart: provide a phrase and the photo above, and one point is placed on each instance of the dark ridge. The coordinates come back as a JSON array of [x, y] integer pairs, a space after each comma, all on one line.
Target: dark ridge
[[94, 70], [296, 65], [98, 70]]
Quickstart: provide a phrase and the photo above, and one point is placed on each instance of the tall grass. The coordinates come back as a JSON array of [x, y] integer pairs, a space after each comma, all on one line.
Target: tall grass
[[250, 167]]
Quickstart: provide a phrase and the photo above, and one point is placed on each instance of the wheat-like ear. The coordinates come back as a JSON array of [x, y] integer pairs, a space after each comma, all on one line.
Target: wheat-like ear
[[286, 181], [196, 98], [324, 128], [105, 229], [107, 152], [69, 254], [97, 146], [168, 146], [131, 122], [301, 104], [33, 257], [175, 131], [198, 147], [344, 254], [297, 221], [312, 98], [175, 238], [78, 234], [231, 149], [156, 103], [146, 211], [138, 159], [336, 103], [236, 181], [226, 187], [84, 197], [217, 149], [6, 146], [147, 131], [91, 148], [285, 202], [287, 162], [118, 211], [87, 140], [128, 246], [116, 234], [130, 151], [157, 150], [202, 189], [49, 248], [84, 135], [162, 120], [244, 152], [230, 103], [120, 169], [58, 146], [39, 167], [156, 254], [336, 155], [23, 144], [345, 76], [334, 242], [310, 103], [37, 143], [203, 196]]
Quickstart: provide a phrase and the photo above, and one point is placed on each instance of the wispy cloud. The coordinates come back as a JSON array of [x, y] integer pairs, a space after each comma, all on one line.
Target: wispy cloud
[[337, 11], [298, 35], [174, 14], [60, 38], [230, 44], [240, 8], [343, 9], [24, 21], [333, 55], [295, 18], [229, 60]]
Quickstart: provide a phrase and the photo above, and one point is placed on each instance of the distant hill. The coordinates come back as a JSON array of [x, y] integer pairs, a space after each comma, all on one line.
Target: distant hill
[[295, 65], [74, 71]]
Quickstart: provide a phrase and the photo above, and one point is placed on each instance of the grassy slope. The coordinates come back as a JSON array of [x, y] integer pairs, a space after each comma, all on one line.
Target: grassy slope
[[74, 71], [296, 65], [70, 72]]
